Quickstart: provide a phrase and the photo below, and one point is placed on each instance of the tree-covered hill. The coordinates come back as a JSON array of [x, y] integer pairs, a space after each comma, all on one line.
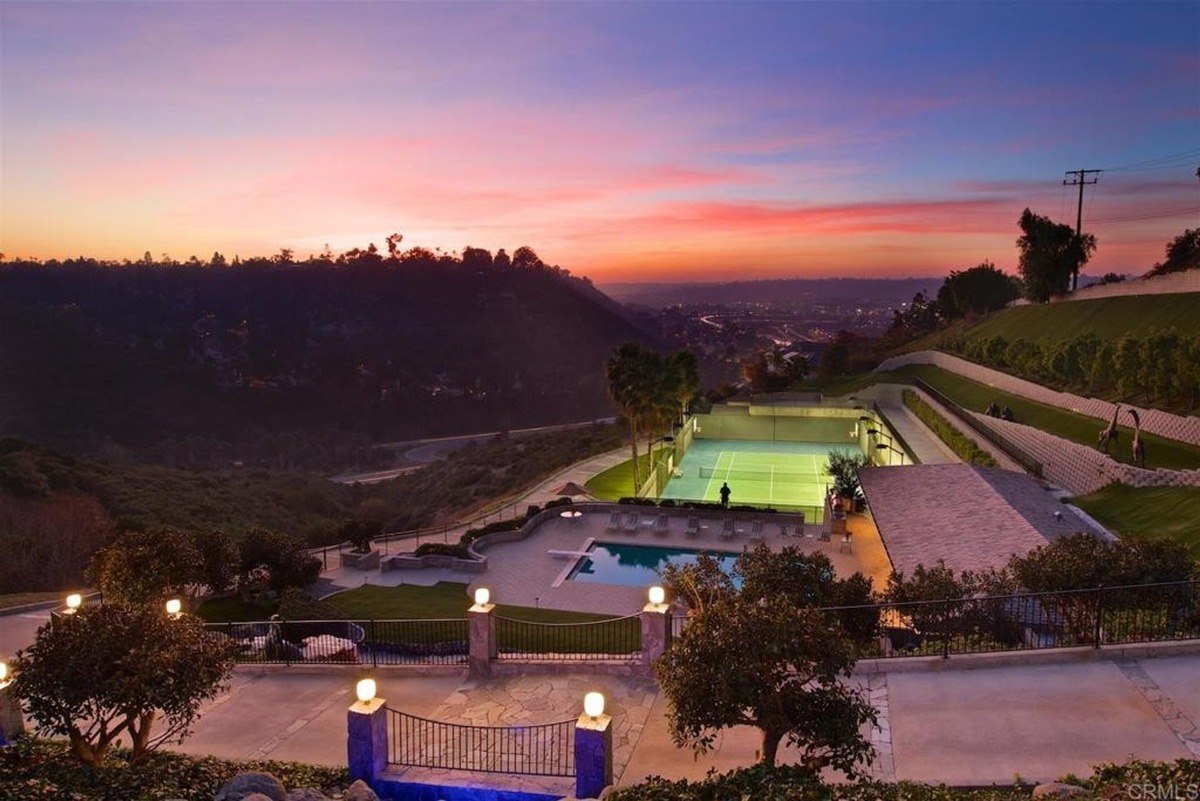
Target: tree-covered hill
[[284, 364]]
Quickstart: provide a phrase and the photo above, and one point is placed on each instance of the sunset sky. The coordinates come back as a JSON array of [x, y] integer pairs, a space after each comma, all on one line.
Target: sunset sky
[[624, 141]]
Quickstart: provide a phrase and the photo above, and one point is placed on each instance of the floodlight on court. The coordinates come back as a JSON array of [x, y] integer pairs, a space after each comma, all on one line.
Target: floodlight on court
[[864, 419], [873, 431]]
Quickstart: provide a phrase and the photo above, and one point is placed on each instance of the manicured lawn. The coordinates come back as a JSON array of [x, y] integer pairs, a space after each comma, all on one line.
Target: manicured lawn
[[1079, 428], [1148, 512], [616, 482], [1107, 318], [235, 610], [443, 600]]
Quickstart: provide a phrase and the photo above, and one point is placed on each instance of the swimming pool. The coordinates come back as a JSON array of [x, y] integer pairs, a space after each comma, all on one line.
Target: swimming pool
[[637, 565]]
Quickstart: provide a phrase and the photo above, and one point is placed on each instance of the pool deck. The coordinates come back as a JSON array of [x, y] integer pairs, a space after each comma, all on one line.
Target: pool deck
[[526, 572]]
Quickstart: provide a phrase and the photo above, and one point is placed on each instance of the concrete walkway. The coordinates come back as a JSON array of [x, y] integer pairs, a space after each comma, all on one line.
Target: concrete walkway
[[926, 446], [962, 727]]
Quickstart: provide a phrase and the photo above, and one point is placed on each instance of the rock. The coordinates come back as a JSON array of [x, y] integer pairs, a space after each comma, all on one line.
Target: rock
[[250, 783], [307, 794], [359, 791], [1054, 790]]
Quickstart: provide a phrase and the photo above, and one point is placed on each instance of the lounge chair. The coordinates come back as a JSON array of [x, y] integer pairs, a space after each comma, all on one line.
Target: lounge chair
[[614, 522], [756, 529], [693, 527], [631, 523], [727, 531], [660, 526], [845, 546]]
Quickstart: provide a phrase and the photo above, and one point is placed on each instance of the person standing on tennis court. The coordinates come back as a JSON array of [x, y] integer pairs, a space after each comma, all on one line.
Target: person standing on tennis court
[[725, 494]]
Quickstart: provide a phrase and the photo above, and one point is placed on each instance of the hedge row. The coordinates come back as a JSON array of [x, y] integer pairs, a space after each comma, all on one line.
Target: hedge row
[[964, 446], [459, 549], [1133, 779]]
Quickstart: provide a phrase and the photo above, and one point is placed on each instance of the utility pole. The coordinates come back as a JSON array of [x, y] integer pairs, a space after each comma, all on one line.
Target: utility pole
[[1081, 181]]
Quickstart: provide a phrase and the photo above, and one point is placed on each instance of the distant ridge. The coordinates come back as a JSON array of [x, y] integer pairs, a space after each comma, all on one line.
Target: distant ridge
[[775, 290]]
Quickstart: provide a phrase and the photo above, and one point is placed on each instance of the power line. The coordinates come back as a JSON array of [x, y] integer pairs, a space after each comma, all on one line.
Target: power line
[[1160, 162], [1161, 215]]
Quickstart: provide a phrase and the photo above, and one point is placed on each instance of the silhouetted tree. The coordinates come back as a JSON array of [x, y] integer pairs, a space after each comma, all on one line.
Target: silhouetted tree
[[1050, 254]]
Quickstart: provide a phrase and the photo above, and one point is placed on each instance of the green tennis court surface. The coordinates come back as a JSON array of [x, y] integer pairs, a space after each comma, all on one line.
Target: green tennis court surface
[[760, 473]]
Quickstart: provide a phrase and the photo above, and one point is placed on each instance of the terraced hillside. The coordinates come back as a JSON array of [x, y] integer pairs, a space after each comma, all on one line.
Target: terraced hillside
[[1107, 318]]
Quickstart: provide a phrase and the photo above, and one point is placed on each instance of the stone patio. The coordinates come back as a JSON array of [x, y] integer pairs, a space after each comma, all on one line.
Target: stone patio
[[526, 572]]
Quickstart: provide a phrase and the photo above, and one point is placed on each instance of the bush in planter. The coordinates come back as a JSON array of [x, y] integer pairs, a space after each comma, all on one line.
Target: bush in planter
[[637, 502], [557, 502], [843, 469], [360, 534], [459, 551]]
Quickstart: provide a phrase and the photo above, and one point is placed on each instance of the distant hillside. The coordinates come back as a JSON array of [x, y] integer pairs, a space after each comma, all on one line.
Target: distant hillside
[[296, 364], [783, 291], [1107, 318]]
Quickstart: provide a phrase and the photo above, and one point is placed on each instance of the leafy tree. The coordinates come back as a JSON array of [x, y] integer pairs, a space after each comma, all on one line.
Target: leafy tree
[[219, 559], [771, 664], [769, 371], [979, 290], [121, 669], [1050, 254], [1083, 561], [501, 260], [524, 258], [1183, 253], [146, 566], [274, 561], [835, 360]]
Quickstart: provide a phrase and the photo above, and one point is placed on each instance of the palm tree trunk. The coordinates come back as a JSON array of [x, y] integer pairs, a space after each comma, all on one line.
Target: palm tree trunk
[[634, 449]]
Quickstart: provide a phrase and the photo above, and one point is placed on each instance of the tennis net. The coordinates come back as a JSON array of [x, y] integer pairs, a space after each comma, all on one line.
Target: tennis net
[[759, 474]]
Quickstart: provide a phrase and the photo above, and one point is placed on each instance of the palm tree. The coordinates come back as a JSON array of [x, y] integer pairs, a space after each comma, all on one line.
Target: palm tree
[[626, 371], [687, 380]]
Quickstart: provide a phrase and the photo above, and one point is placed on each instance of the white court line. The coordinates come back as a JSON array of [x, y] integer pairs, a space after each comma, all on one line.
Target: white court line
[[771, 491], [716, 467]]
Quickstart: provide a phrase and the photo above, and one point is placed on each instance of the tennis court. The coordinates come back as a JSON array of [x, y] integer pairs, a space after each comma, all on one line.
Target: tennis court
[[759, 472]]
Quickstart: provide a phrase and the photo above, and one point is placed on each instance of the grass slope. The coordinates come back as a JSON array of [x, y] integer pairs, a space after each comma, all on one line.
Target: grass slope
[[1079, 428], [617, 481], [1107, 318], [1148, 512]]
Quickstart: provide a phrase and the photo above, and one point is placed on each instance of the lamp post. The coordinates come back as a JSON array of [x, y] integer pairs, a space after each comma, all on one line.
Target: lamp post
[[12, 722], [593, 748], [883, 446]]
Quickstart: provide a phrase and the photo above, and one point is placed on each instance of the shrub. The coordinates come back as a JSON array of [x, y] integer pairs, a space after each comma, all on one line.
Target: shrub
[[965, 447]]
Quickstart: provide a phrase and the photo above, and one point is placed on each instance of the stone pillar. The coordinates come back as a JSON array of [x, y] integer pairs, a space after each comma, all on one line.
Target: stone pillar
[[656, 622], [12, 722], [367, 740], [593, 755], [482, 633]]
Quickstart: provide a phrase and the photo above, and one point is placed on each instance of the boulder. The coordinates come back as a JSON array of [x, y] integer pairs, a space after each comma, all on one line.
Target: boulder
[[307, 794], [250, 783], [360, 791], [1057, 790]]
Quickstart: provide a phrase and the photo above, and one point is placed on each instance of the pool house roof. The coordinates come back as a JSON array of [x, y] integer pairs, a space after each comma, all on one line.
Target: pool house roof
[[971, 518]]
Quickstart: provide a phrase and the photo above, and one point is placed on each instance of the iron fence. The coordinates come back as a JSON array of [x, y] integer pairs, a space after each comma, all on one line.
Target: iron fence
[[615, 638], [1031, 465], [542, 750], [364, 642], [1022, 622]]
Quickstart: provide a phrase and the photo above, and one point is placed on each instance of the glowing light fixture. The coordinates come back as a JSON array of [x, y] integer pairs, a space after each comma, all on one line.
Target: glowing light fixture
[[593, 704], [74, 601], [482, 596], [658, 595], [174, 607], [365, 690], [3, 674]]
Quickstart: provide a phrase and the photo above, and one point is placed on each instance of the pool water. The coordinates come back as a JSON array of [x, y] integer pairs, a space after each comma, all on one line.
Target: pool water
[[637, 565]]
